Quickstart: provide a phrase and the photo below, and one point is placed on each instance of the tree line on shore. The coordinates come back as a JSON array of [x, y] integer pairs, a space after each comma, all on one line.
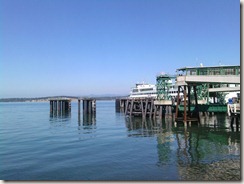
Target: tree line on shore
[[47, 98]]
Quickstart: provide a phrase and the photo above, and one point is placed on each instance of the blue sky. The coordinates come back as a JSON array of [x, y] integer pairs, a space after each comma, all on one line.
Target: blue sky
[[83, 47]]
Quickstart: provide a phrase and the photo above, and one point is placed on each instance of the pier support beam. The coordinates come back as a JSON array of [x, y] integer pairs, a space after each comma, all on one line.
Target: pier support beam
[[178, 103], [58, 106], [185, 116], [89, 106], [143, 107]]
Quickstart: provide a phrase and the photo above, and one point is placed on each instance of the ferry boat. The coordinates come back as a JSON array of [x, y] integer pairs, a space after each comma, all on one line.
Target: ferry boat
[[142, 90]]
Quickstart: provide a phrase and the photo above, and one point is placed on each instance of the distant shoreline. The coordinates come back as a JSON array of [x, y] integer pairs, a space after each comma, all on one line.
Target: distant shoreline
[[46, 99]]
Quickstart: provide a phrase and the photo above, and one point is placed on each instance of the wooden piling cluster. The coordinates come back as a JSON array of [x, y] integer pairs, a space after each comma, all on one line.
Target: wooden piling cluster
[[188, 116], [89, 105], [120, 104], [144, 107], [235, 118], [60, 105]]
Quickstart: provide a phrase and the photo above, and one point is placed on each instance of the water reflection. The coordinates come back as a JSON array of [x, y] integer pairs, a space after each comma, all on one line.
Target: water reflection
[[199, 148], [60, 115], [59, 119], [138, 126], [196, 149], [86, 128]]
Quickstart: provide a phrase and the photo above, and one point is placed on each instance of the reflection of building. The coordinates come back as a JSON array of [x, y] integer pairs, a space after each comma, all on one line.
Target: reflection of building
[[200, 152]]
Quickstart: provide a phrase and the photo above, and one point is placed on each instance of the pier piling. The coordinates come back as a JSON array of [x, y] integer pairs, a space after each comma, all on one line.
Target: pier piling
[[89, 106], [60, 105]]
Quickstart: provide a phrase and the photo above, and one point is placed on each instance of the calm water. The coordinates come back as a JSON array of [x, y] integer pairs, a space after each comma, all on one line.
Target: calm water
[[35, 145]]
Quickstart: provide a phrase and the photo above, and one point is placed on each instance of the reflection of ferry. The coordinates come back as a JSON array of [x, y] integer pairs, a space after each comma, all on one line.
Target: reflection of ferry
[[144, 90]]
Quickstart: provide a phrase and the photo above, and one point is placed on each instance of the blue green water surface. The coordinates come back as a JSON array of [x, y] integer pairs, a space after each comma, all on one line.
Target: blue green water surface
[[37, 145]]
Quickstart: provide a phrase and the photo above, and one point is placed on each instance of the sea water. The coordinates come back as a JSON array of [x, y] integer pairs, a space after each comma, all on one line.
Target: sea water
[[38, 145]]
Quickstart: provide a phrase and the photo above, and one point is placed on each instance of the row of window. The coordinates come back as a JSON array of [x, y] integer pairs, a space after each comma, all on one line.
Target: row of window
[[216, 71]]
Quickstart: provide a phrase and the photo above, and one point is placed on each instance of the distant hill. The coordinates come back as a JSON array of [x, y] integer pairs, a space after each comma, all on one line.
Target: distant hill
[[39, 99]]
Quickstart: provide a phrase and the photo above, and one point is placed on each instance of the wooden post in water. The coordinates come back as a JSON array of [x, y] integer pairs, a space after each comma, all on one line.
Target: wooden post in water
[[161, 112], [185, 117], [189, 101], [196, 103], [142, 109], [51, 106], [89, 106], [155, 111], [79, 105], [131, 106], [146, 107], [177, 104], [118, 105], [151, 108], [58, 107], [126, 107]]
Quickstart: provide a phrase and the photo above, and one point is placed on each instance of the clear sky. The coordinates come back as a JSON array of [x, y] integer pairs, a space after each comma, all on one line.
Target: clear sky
[[83, 47]]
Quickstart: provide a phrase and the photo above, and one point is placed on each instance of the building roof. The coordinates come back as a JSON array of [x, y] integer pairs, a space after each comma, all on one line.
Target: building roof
[[201, 67]]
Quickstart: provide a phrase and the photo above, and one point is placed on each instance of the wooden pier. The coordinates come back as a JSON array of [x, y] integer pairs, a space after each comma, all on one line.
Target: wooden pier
[[188, 115], [144, 107]]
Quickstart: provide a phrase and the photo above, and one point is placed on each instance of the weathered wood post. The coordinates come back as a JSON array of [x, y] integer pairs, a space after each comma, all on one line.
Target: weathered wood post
[[161, 112], [126, 106], [131, 106], [89, 106], [142, 109], [59, 105], [177, 104], [196, 104], [189, 100], [185, 116], [146, 107], [78, 105], [117, 105], [151, 108], [51, 106]]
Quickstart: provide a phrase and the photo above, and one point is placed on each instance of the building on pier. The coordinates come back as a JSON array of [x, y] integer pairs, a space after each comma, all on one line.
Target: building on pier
[[204, 83], [213, 82]]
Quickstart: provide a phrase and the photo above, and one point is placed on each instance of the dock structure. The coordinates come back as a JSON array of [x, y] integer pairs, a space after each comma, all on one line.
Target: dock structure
[[60, 104], [234, 114], [205, 81], [89, 105], [188, 115], [140, 107], [120, 104], [144, 107]]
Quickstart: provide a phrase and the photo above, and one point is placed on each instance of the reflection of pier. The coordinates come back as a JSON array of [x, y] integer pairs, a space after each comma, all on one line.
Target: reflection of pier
[[60, 114], [88, 119], [196, 150], [87, 127]]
